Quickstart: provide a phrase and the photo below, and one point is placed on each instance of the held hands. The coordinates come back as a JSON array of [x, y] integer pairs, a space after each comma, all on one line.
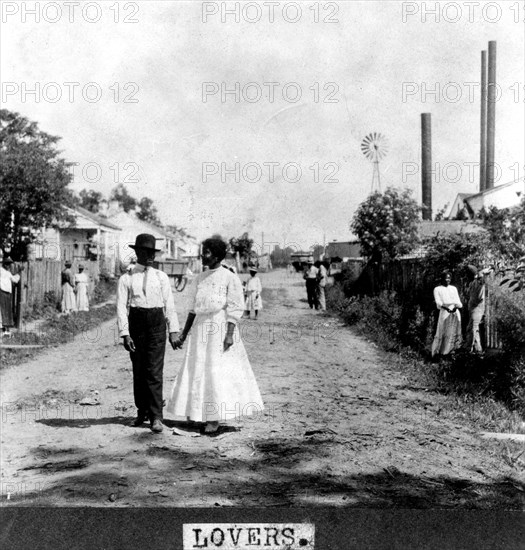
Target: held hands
[[175, 340]]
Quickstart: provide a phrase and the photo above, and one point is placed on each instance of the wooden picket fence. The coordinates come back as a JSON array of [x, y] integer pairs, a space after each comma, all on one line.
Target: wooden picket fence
[[40, 280]]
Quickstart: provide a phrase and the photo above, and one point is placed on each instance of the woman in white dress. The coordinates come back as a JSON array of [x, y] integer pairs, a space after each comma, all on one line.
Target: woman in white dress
[[216, 381], [253, 294], [69, 302], [81, 289], [448, 333]]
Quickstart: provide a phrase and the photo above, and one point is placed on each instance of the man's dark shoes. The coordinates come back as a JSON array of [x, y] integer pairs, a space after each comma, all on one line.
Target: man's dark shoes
[[156, 426], [141, 418]]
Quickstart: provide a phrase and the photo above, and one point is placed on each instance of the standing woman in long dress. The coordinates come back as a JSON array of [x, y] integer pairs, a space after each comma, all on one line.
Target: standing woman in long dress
[[69, 302], [216, 381], [7, 278], [81, 289], [448, 333]]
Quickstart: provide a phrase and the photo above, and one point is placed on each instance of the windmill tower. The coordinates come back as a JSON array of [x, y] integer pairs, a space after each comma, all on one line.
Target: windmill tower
[[375, 147]]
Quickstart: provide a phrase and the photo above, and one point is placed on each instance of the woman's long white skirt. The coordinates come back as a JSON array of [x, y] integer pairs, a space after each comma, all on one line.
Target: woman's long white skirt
[[69, 302], [82, 297], [448, 334], [213, 384]]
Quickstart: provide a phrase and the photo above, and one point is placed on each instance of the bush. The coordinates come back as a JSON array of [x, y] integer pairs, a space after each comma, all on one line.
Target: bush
[[510, 319], [396, 321], [386, 223], [104, 289]]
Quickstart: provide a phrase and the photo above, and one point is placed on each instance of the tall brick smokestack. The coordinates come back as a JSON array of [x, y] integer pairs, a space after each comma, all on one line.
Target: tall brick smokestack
[[491, 115], [483, 125], [426, 165]]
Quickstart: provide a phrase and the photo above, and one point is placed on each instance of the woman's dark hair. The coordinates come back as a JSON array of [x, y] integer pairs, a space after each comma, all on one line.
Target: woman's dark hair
[[444, 274], [216, 245], [317, 264]]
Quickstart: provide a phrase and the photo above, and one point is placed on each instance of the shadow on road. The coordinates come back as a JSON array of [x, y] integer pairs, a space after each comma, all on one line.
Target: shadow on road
[[281, 472], [85, 422]]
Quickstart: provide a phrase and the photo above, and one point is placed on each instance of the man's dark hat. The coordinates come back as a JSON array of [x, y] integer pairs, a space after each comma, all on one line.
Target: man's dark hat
[[145, 240]]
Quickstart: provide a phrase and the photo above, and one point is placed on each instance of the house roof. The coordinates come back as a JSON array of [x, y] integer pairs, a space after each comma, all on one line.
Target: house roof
[[497, 188], [344, 249], [147, 225], [80, 212], [448, 227]]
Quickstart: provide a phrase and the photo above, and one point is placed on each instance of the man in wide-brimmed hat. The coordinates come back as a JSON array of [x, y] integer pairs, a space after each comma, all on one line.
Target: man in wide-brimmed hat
[[148, 293]]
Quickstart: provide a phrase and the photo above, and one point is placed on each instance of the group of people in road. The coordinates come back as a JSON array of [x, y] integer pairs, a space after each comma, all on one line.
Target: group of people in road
[[316, 277], [448, 337], [75, 295], [216, 381]]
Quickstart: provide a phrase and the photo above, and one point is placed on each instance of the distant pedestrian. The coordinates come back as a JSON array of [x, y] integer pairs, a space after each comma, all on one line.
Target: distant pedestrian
[[68, 303], [253, 291], [448, 333], [147, 292], [81, 289], [476, 309], [310, 277], [322, 277], [7, 278]]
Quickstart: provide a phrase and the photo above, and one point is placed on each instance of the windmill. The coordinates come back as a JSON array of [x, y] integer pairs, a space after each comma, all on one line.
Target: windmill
[[375, 147]]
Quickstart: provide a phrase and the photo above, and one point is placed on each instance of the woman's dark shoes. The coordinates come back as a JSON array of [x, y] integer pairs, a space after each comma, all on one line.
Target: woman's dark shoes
[[156, 426]]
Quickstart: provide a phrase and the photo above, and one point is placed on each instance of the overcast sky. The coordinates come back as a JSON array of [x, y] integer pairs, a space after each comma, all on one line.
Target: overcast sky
[[367, 71]]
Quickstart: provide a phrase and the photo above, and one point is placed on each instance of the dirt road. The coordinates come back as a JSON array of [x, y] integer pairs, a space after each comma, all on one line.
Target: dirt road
[[342, 426]]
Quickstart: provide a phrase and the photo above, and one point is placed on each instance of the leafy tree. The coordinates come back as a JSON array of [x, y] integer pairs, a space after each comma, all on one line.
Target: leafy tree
[[506, 228], [242, 245], [281, 257], [34, 182], [440, 214], [455, 252], [147, 212], [125, 200], [317, 251], [386, 224], [91, 200]]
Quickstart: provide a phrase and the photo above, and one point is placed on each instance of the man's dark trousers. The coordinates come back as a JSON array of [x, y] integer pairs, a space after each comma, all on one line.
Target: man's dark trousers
[[147, 328], [311, 292]]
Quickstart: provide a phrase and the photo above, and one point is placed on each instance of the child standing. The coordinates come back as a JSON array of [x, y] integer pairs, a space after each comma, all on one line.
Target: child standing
[[253, 294]]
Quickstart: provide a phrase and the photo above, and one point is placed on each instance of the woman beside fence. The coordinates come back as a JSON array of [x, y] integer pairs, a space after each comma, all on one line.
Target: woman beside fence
[[448, 333], [7, 279]]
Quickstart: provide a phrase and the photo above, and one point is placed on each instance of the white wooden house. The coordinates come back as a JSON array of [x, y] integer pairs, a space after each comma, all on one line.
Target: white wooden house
[[89, 238], [507, 195], [172, 246]]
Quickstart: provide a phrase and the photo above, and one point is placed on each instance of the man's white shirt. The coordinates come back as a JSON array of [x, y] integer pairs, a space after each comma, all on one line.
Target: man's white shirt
[[158, 293]]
